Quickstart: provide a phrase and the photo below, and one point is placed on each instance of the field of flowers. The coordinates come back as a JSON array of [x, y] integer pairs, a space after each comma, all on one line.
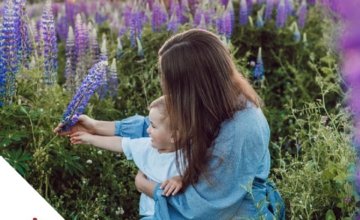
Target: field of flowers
[[60, 59]]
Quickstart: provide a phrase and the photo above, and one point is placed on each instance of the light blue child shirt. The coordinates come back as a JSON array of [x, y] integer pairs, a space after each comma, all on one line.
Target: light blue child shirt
[[236, 186]]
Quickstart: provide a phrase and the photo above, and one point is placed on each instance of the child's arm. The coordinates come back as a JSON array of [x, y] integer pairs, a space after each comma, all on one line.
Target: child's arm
[[112, 143], [171, 186]]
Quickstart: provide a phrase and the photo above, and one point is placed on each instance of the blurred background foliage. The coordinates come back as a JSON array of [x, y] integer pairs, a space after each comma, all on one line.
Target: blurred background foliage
[[312, 157]]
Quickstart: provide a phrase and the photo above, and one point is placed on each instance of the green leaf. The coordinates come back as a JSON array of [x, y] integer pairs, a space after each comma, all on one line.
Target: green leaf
[[330, 215]]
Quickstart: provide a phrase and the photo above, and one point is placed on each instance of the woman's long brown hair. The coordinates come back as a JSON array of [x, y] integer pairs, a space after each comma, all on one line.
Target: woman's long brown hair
[[202, 89]]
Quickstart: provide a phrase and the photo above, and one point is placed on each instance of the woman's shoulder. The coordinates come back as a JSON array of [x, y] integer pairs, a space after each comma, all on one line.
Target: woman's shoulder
[[249, 121], [247, 116]]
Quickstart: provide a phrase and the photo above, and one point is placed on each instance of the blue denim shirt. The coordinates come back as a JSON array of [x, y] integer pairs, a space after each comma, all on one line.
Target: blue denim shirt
[[238, 187]]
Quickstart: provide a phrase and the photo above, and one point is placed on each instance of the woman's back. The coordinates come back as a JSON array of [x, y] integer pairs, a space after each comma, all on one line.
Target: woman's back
[[240, 156]]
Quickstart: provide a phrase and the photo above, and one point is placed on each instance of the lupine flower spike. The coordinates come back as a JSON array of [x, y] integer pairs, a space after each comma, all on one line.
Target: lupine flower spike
[[173, 24], [48, 35], [269, 9], [243, 12], [302, 14], [113, 80], [281, 14], [103, 88], [8, 53], [259, 67], [94, 46], [227, 22], [83, 95]]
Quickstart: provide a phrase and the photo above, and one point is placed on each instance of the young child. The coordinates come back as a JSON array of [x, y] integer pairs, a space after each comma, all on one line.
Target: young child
[[153, 155]]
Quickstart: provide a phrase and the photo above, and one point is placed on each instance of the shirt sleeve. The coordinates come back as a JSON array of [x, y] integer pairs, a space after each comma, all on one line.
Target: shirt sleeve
[[136, 149], [239, 156], [132, 127]]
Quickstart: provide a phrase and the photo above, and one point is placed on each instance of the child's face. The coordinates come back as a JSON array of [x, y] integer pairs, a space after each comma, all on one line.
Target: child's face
[[159, 132]]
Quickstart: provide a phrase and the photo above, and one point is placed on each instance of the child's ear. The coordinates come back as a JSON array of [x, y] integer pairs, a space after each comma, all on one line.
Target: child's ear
[[172, 140]]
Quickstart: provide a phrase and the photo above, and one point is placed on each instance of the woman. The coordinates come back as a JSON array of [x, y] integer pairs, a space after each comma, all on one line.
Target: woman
[[219, 130]]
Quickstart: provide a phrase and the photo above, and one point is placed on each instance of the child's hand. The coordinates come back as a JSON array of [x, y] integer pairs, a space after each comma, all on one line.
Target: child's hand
[[81, 137], [171, 186]]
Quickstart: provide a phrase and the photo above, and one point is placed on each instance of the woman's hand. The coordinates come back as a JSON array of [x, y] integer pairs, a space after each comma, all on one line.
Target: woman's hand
[[143, 185], [85, 123]]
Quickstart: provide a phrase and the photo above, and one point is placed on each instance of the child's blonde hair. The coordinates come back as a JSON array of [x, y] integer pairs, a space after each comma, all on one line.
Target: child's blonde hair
[[160, 105]]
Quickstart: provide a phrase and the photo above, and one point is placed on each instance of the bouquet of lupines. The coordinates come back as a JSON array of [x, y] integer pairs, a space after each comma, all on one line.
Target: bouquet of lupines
[[89, 85]]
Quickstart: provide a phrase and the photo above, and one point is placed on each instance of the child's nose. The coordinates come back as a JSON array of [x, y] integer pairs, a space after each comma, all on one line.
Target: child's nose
[[148, 130]]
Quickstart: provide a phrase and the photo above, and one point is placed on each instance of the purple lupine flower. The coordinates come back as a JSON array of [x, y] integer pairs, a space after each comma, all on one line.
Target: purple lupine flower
[[197, 17], [113, 80], [150, 3], [70, 66], [230, 7], [281, 14], [94, 46], [81, 44], [249, 4], [183, 12], [193, 5], [224, 2], [311, 2], [69, 76], [70, 11], [302, 14], [70, 45], [100, 16], [173, 24], [127, 15], [289, 7], [138, 19], [80, 100], [122, 31], [180, 11], [258, 71], [227, 25], [62, 27], [25, 44], [48, 35], [2, 72], [158, 17], [219, 24], [81, 49], [9, 47], [207, 14], [243, 12], [104, 87], [269, 9]]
